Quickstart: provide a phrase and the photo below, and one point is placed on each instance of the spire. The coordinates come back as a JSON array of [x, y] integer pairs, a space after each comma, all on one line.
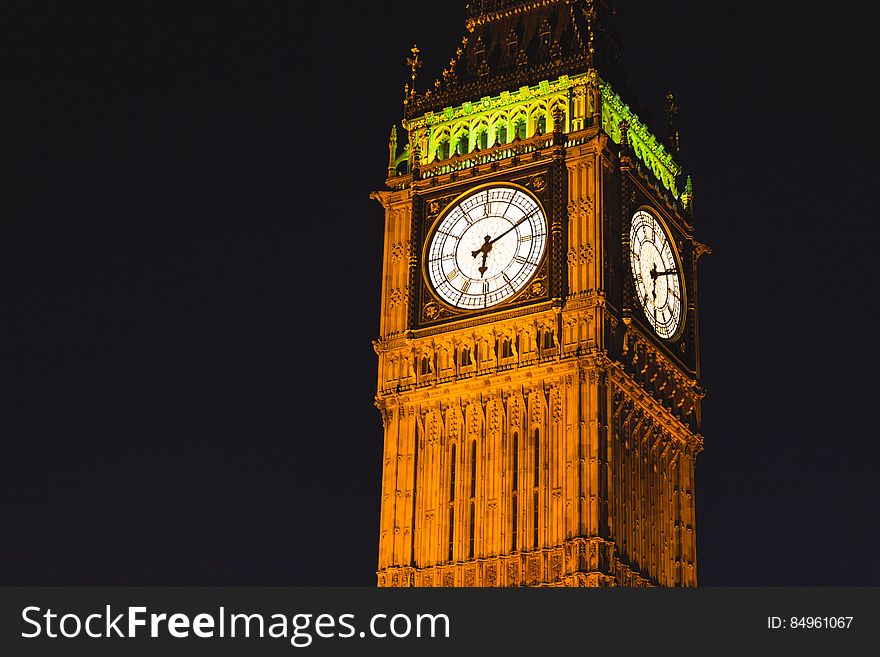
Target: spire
[[513, 43], [415, 63], [671, 124]]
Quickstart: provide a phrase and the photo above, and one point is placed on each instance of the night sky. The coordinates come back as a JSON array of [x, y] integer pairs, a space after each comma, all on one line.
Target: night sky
[[190, 270]]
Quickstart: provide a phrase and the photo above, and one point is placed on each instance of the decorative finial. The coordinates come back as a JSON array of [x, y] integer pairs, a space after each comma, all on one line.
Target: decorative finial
[[392, 152], [558, 125], [416, 161], [687, 199], [558, 120], [591, 33], [415, 63], [671, 114], [624, 133]]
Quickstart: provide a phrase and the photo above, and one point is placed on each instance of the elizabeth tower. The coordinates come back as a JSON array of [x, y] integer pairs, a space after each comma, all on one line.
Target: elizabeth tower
[[539, 352]]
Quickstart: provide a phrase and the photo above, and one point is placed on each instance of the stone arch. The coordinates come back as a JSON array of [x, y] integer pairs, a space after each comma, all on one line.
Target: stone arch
[[519, 124], [480, 133], [460, 142], [560, 104], [499, 126], [439, 144], [539, 121]]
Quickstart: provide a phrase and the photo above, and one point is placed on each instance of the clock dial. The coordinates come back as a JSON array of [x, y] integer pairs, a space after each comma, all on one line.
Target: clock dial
[[486, 248], [658, 282]]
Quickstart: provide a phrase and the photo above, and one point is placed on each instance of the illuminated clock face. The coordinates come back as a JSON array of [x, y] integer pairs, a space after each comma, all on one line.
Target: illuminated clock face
[[487, 247], [658, 282]]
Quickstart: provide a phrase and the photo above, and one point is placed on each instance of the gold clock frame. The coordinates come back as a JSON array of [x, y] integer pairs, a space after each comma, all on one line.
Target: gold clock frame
[[435, 225], [664, 225]]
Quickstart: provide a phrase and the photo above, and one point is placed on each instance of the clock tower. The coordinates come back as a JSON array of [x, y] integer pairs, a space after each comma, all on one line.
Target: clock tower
[[539, 373]]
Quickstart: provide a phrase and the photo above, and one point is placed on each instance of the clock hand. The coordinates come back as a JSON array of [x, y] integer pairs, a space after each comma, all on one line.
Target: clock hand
[[515, 226], [486, 249], [657, 274], [484, 268]]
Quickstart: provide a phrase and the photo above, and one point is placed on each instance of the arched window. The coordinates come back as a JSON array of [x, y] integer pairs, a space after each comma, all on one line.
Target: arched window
[[546, 32], [443, 150], [451, 504], [426, 366], [483, 139], [465, 357], [514, 491], [541, 124], [546, 340], [535, 491], [462, 144], [501, 134], [452, 474], [473, 499], [520, 128], [473, 470]]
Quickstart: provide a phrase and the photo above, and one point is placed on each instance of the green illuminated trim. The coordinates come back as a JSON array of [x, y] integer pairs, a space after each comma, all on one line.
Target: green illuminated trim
[[504, 101], [451, 121], [645, 145]]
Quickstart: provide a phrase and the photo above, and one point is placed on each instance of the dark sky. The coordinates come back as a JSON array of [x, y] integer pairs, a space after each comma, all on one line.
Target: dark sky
[[189, 266]]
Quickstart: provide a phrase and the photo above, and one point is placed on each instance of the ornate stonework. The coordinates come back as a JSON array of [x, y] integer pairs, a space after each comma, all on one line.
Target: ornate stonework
[[551, 440]]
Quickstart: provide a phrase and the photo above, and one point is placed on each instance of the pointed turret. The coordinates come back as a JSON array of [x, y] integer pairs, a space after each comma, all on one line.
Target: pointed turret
[[687, 199], [392, 152]]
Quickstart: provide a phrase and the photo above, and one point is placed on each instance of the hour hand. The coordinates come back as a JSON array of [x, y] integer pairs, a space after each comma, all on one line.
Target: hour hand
[[485, 249], [484, 268]]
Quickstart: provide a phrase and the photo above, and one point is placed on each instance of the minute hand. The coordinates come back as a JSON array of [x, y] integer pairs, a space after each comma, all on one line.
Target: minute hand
[[514, 227], [657, 274]]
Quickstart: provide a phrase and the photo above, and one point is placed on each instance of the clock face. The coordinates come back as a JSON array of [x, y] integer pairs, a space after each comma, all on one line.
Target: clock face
[[486, 247], [656, 274]]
